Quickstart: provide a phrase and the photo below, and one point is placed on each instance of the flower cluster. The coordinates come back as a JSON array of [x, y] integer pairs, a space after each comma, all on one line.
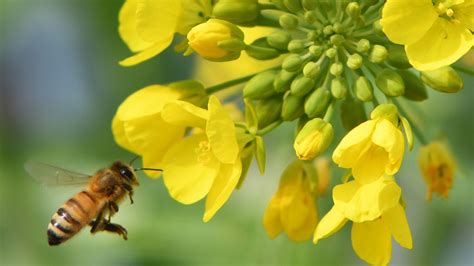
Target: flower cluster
[[344, 57]]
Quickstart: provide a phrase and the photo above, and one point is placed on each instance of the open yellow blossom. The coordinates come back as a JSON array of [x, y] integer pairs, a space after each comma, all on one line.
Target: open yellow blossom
[[376, 214], [373, 148], [434, 35], [148, 26], [205, 163], [292, 209], [437, 166]]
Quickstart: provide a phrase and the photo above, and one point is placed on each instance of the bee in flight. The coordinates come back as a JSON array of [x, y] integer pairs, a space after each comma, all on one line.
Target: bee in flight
[[95, 205]]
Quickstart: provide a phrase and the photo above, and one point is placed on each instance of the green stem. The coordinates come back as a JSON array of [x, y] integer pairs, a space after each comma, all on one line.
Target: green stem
[[230, 83], [267, 129], [416, 130], [464, 69]]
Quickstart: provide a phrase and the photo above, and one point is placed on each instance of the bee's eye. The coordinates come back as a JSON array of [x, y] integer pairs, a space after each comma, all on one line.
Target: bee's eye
[[126, 173]]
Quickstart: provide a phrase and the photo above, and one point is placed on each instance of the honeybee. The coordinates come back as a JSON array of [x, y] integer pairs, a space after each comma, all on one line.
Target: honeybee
[[95, 205]]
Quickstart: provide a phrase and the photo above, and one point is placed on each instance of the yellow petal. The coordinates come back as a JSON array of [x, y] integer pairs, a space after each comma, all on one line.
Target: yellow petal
[[128, 27], [157, 20], [192, 12], [119, 135], [222, 188], [464, 12], [189, 169], [414, 17], [371, 241], [305, 229], [149, 52], [330, 224], [184, 114], [371, 165], [353, 144], [271, 218], [389, 137], [220, 131], [360, 203], [443, 44], [397, 223], [294, 214]]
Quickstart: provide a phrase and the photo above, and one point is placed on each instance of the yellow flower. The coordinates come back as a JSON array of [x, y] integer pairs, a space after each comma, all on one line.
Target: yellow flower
[[437, 166], [205, 163], [433, 35], [148, 26], [292, 209], [313, 139], [373, 148], [376, 214]]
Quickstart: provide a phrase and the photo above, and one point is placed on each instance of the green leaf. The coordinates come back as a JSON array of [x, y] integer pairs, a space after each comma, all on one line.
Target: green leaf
[[408, 132], [260, 153], [251, 116]]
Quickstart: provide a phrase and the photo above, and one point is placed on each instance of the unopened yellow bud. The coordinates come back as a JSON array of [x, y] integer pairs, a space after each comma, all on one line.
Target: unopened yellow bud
[[378, 54], [313, 139], [260, 86], [339, 88], [336, 69], [355, 61], [363, 45], [363, 89], [387, 111], [444, 79], [296, 46], [311, 70], [390, 83], [317, 102], [293, 107], [292, 63], [301, 85], [236, 11], [217, 40], [353, 9]]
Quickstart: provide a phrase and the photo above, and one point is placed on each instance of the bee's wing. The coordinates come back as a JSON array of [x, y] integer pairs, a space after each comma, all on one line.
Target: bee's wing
[[54, 176]]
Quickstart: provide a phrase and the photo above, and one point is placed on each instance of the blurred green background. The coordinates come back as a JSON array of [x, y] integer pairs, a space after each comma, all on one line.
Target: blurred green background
[[60, 86]]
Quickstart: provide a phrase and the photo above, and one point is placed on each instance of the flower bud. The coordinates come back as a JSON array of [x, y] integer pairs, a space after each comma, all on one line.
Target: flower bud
[[292, 63], [339, 88], [363, 89], [352, 113], [236, 11], [260, 86], [296, 46], [336, 69], [293, 5], [309, 4], [338, 27], [283, 80], [415, 89], [217, 40], [288, 22], [397, 57], [353, 9], [355, 61], [328, 30], [378, 54], [331, 53], [313, 139], [260, 50], [444, 79], [292, 108], [387, 111], [268, 110], [301, 85], [390, 83], [279, 39], [337, 39], [311, 70], [316, 50], [317, 102], [363, 46], [310, 17]]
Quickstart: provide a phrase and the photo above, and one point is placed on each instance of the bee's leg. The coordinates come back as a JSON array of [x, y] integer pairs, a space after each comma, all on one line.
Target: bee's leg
[[98, 224], [116, 228], [113, 209], [129, 189]]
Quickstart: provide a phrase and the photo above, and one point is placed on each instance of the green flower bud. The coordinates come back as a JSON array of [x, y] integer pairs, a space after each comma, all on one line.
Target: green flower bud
[[292, 108], [316, 50], [352, 113], [390, 83], [331, 53], [296, 46], [283, 80], [328, 30], [377, 26], [363, 89], [310, 17], [363, 46], [292, 63], [317, 103], [279, 39], [444, 79], [268, 110], [387, 111], [236, 11], [260, 86], [337, 39], [338, 28], [353, 9], [415, 89], [336, 69], [312, 36], [288, 22], [260, 50], [309, 4], [397, 57], [313, 139], [301, 85], [293, 5], [378, 54], [279, 4], [355, 61], [339, 88], [311, 70]]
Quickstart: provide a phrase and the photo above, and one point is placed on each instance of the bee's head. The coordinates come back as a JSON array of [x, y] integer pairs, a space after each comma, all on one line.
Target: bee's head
[[126, 172]]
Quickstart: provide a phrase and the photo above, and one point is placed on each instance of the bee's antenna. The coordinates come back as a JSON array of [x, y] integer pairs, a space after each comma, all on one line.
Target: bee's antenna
[[134, 159], [148, 169]]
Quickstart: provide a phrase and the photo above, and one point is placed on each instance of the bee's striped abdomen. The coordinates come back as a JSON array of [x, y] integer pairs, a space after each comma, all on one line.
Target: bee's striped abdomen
[[71, 217]]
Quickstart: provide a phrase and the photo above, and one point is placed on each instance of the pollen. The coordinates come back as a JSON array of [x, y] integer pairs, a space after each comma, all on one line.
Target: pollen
[[203, 152]]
